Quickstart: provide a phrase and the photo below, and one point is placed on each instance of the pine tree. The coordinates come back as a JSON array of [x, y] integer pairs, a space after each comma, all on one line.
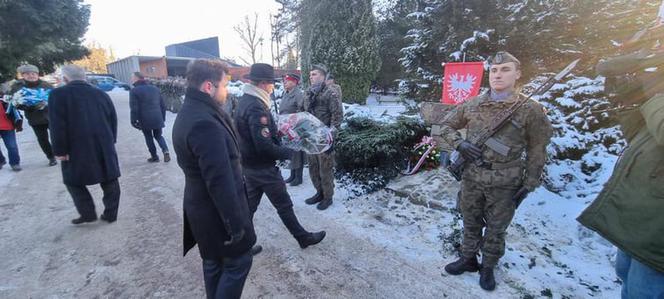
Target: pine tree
[[393, 24], [41, 32], [544, 35], [341, 35]]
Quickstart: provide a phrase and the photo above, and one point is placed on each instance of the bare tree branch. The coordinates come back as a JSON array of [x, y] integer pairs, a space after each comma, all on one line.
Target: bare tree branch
[[248, 32]]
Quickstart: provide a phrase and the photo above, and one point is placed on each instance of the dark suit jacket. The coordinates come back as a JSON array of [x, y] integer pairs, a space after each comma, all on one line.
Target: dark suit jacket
[[215, 198], [83, 125]]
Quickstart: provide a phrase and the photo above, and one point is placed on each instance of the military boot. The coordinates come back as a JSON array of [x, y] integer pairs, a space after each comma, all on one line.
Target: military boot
[[487, 280], [462, 265], [310, 239], [324, 204], [314, 199]]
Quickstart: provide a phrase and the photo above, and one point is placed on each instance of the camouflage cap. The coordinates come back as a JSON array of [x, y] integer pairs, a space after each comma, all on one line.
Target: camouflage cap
[[504, 57], [27, 68], [320, 67]]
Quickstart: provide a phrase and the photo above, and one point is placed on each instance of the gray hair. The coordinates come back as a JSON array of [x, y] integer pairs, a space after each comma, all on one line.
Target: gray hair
[[73, 72]]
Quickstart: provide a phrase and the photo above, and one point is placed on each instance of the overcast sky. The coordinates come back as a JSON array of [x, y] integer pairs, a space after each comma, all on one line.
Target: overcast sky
[[145, 27]]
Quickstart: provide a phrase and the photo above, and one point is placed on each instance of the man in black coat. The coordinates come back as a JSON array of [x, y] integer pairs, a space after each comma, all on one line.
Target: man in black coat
[[37, 115], [216, 214], [148, 113], [84, 131], [260, 147]]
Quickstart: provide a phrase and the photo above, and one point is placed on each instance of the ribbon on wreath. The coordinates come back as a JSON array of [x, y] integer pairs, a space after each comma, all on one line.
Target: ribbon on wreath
[[426, 140]]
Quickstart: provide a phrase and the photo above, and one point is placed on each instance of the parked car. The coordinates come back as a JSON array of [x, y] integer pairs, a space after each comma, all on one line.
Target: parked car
[[107, 83]]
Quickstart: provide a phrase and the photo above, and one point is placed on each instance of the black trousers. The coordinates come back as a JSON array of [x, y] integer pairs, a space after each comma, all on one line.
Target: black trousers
[[225, 279], [269, 181], [85, 204], [41, 131]]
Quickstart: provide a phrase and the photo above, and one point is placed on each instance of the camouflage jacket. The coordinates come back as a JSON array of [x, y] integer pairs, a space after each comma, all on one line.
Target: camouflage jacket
[[528, 131], [325, 105]]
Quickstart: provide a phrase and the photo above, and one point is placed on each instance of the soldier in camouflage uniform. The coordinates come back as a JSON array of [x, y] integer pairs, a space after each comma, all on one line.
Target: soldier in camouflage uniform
[[324, 102], [489, 192]]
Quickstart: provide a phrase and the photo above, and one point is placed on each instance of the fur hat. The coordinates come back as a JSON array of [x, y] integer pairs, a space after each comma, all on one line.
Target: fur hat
[[27, 68]]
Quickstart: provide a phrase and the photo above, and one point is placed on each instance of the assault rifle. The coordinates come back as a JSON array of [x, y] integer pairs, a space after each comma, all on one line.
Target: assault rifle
[[456, 163]]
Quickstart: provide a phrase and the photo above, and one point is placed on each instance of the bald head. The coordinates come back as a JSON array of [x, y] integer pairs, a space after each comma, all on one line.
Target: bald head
[[72, 72]]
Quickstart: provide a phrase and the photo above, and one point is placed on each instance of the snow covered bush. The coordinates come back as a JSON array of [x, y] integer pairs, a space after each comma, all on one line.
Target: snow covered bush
[[371, 152], [585, 143]]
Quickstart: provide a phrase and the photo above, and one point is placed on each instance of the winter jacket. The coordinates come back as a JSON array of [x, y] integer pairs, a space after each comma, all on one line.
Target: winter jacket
[[84, 126], [35, 116], [259, 143], [147, 106], [292, 101], [215, 197], [324, 102], [529, 131], [12, 119], [628, 211]]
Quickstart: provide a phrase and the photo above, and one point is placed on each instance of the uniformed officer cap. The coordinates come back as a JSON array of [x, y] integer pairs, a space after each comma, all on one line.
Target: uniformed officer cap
[[505, 57], [320, 67]]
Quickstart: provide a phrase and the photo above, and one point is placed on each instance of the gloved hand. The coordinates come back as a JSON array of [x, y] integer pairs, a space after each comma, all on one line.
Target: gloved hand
[[136, 124], [235, 238], [520, 195], [469, 151], [444, 159]]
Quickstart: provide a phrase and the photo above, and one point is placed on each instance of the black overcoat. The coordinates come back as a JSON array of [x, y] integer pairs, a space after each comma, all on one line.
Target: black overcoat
[[215, 198], [147, 106], [83, 125]]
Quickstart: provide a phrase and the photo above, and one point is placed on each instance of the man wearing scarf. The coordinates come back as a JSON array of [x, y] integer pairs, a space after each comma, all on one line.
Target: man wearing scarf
[[260, 148], [324, 102]]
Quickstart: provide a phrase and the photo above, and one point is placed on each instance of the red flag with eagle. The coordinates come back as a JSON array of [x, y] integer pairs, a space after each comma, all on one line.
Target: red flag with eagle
[[461, 81]]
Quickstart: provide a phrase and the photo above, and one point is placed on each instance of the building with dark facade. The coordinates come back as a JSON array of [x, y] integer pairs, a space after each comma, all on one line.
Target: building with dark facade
[[202, 48]]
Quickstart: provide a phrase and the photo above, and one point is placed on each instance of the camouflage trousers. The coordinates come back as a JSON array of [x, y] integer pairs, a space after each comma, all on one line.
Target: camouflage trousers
[[321, 171], [488, 208]]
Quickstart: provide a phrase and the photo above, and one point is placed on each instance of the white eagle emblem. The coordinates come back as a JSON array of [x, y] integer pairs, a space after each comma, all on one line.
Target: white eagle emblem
[[460, 86]]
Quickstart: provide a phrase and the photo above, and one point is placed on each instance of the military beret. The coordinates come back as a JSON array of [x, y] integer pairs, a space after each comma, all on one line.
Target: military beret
[[504, 57], [319, 67], [27, 68]]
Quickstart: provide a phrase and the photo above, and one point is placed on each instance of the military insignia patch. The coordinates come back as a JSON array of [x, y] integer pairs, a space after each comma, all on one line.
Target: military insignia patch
[[264, 120], [265, 132]]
